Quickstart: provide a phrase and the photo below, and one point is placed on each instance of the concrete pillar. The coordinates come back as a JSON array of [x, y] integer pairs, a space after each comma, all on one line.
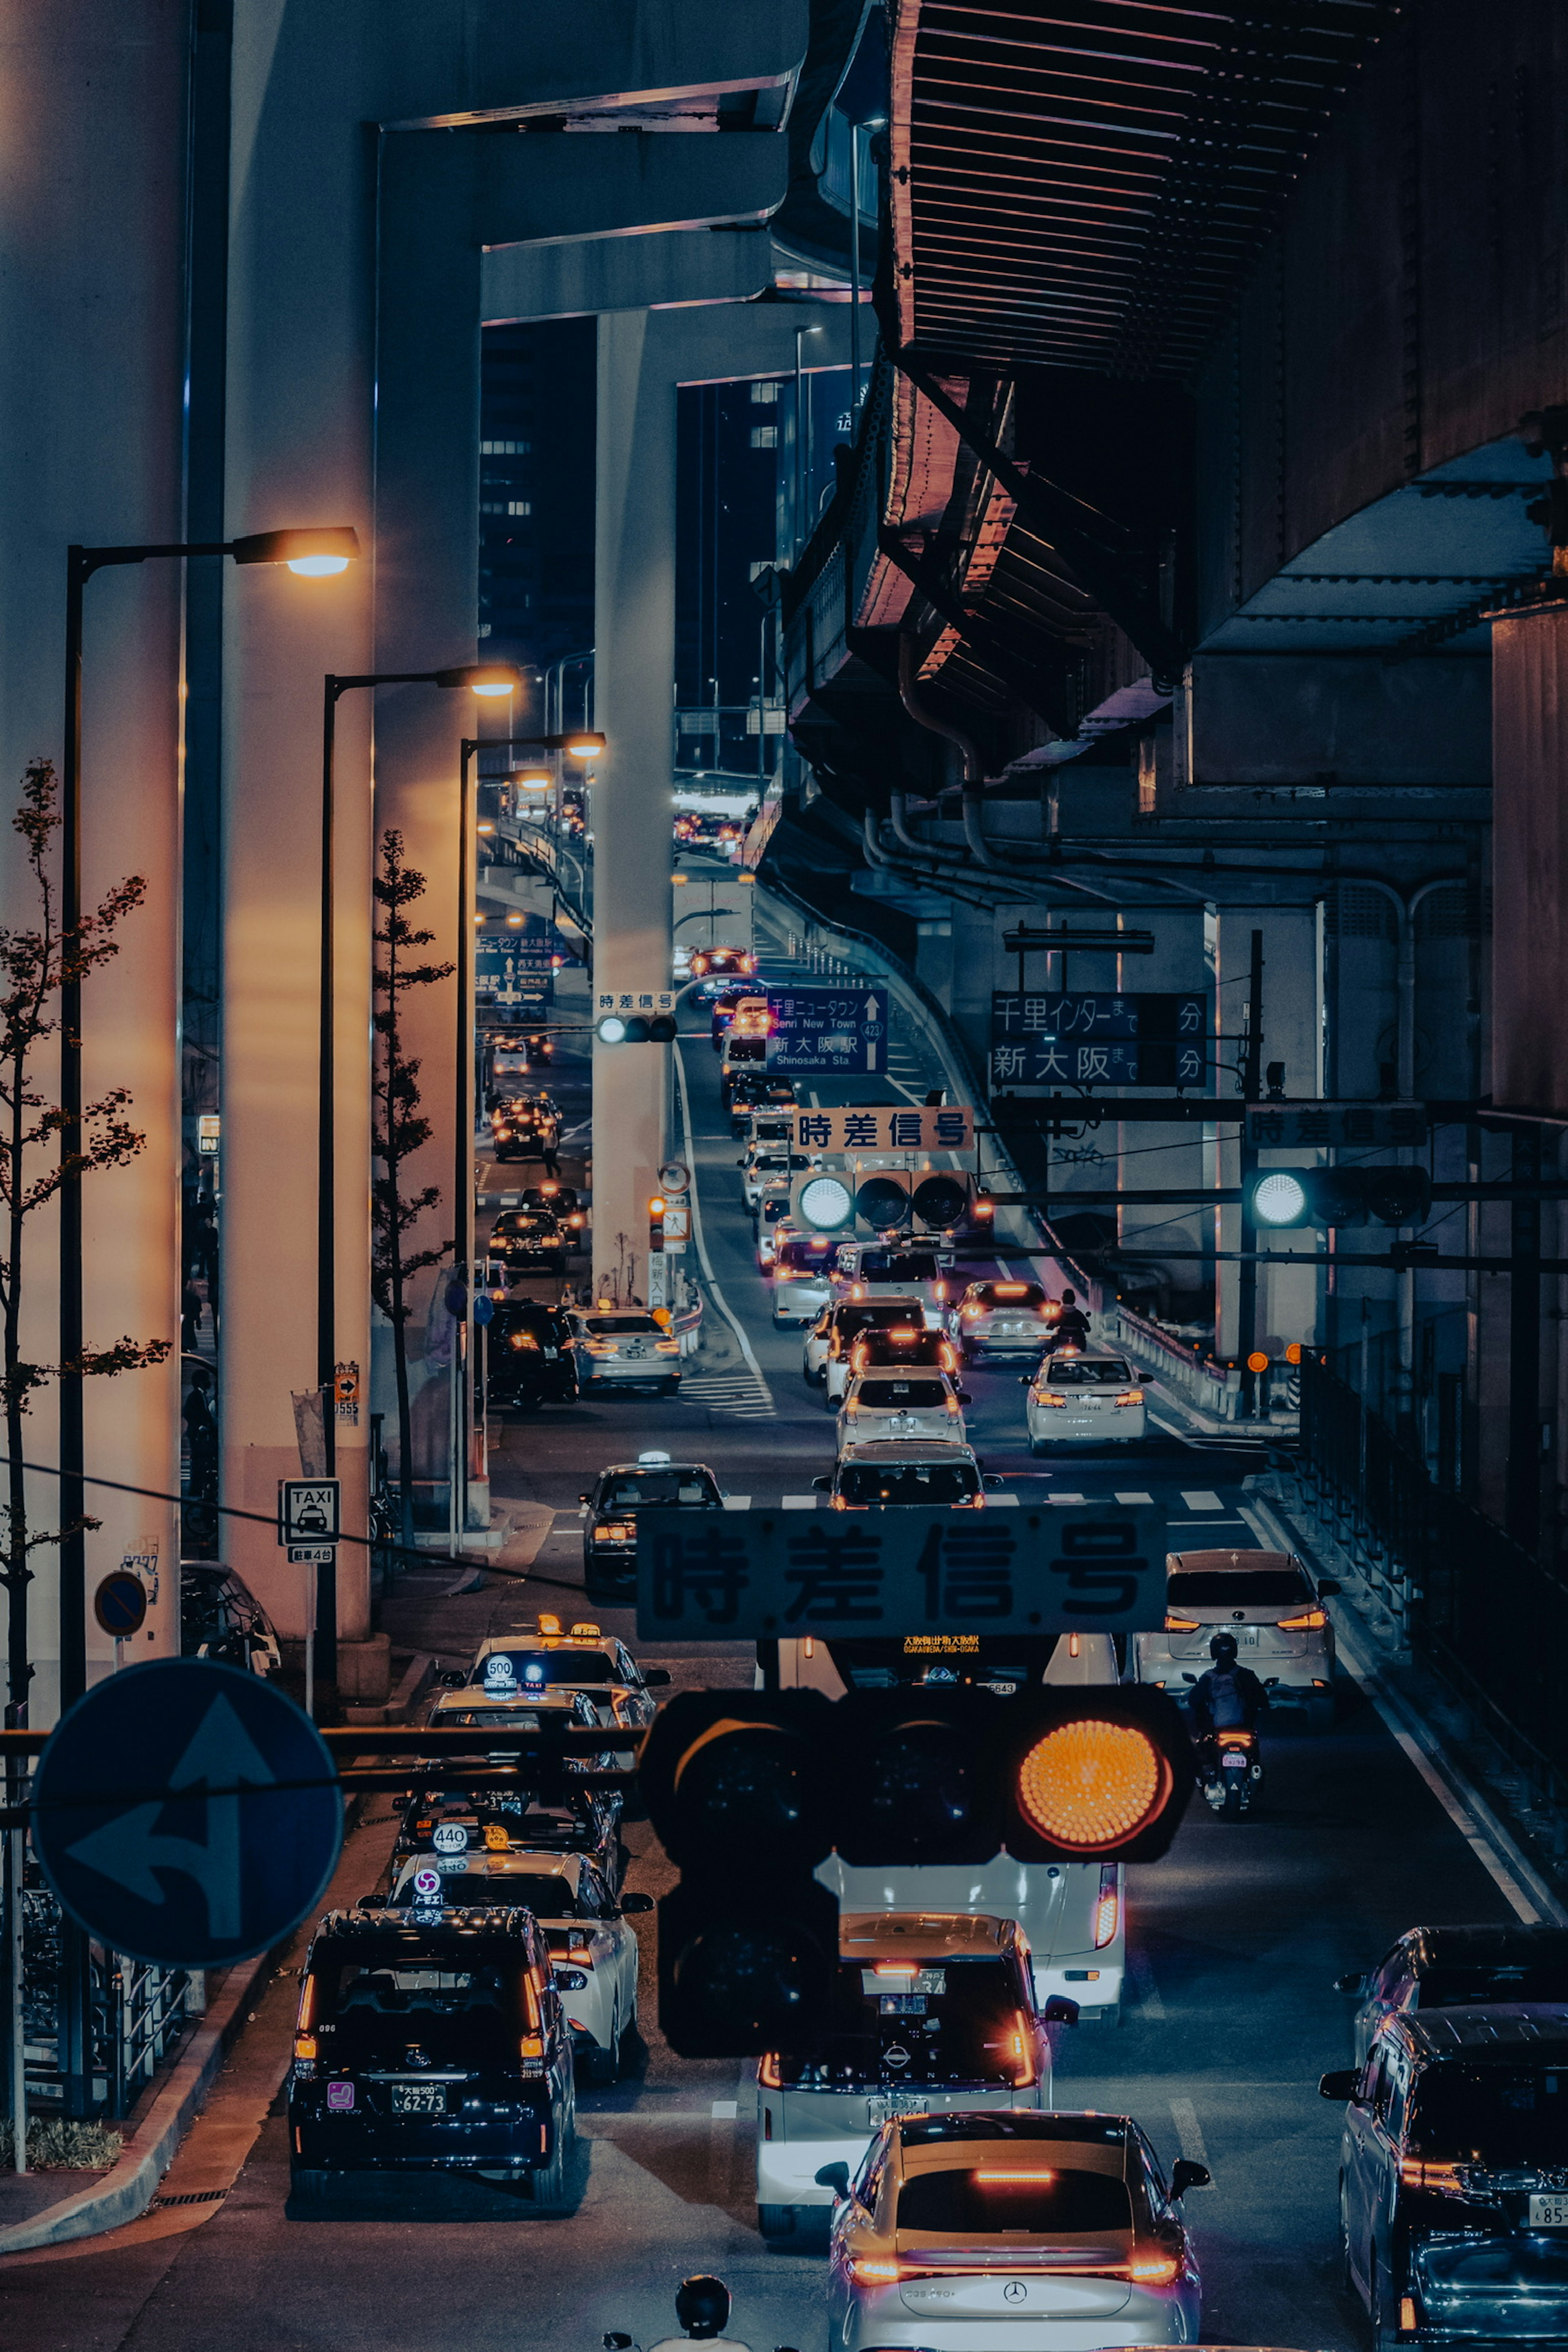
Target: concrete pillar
[[91, 214], [643, 357]]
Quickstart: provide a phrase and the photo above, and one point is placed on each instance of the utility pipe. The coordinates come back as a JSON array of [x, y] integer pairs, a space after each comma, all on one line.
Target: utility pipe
[[973, 766]]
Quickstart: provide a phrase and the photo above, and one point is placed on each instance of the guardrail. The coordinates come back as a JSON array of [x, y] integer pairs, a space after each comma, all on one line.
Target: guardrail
[[1214, 1389]]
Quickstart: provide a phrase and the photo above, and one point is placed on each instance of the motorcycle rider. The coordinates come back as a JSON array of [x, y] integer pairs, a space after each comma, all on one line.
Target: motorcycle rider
[[1071, 1326], [1228, 1697], [702, 2307]]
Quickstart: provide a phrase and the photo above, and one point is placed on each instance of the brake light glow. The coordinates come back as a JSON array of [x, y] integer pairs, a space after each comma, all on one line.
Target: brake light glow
[[1048, 1396], [1407, 2314], [1024, 2053], [1181, 1624], [768, 2073], [1074, 1646], [1107, 1909], [865, 2272], [896, 1968], [305, 2048], [1447, 2180], [1152, 2270], [1310, 1621], [1131, 1396], [990, 2180]]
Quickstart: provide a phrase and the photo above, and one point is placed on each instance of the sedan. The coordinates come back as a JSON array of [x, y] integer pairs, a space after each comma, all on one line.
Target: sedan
[[897, 1404], [1033, 2230], [1083, 1400], [529, 1241], [625, 1347], [1270, 1603], [610, 1510], [1000, 1318], [585, 1659], [593, 1952]]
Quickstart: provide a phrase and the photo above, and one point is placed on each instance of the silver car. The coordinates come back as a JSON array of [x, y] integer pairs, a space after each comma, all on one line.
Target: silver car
[[1272, 1605], [624, 1348], [1000, 1318], [891, 1401], [1011, 2233]]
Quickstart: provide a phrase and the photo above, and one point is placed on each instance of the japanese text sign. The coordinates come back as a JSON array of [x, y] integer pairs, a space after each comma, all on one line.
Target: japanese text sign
[[1335, 1125], [886, 1127], [843, 1029], [756, 1575], [633, 1000], [1053, 1037]]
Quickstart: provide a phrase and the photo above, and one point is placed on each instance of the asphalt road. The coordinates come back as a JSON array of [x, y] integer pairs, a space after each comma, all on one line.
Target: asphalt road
[[1234, 1941]]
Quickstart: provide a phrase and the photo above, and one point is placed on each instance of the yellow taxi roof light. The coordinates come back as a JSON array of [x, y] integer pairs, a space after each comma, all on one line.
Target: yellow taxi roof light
[[1090, 1783], [548, 1624], [586, 1632]]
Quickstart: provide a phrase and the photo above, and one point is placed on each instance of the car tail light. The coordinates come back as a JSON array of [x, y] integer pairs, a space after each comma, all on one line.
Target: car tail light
[[1152, 2270], [1107, 1907], [1181, 1624], [768, 2073], [1131, 1396], [865, 2272], [1048, 1396], [666, 1346], [580, 1955], [1024, 2053], [1448, 2180], [530, 2052], [1234, 1739], [1310, 1621], [1407, 2314]]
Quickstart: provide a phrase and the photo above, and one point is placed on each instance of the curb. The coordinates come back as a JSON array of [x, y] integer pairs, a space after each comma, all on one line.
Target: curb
[[129, 2187]]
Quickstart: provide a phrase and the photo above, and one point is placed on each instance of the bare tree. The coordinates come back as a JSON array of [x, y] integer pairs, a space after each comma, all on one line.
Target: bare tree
[[398, 1130], [34, 965]]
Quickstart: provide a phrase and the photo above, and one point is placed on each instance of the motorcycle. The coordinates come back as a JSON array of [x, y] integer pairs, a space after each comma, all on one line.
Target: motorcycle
[[1230, 1772]]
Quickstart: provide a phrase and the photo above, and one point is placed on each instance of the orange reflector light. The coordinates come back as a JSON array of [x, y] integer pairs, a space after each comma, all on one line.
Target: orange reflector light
[[531, 2045], [1181, 1624], [304, 2045], [1257, 1361], [1092, 1783], [1074, 1646], [1407, 2314]]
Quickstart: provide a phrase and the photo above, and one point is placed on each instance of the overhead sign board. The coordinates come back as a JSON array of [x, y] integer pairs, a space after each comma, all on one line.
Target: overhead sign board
[[1054, 1036], [755, 1575], [633, 1000], [514, 967], [828, 1029], [1336, 1125], [187, 1813], [886, 1127]]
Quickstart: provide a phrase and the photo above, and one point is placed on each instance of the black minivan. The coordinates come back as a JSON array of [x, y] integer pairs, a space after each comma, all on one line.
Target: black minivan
[[1454, 2176], [431, 2043]]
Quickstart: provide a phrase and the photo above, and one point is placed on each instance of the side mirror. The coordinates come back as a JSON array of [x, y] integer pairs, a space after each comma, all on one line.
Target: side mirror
[[637, 1904], [1328, 1586], [1026, 1380], [616, 2342], [965, 1397], [1185, 2174], [1355, 1982], [1060, 2010], [582, 1498], [993, 1483], [655, 1677], [823, 1485], [371, 1903], [1341, 2084], [453, 1681], [835, 2177]]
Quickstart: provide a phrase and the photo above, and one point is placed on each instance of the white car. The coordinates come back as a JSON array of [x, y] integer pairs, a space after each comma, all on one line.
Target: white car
[[585, 1659], [893, 1402], [833, 1334], [624, 1348], [1270, 1603], [593, 1953], [803, 1278], [1000, 1318], [1079, 1399], [895, 1270], [765, 1168]]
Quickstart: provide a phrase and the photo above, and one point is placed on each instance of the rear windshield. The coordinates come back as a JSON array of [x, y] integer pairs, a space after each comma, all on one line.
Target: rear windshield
[[902, 1396], [630, 1492], [1085, 1373], [616, 1327], [1497, 2115], [953, 2022], [909, 1482], [1238, 1587], [526, 1669], [1456, 1988], [980, 2204], [1017, 1294], [872, 1315], [380, 2004], [548, 1898], [800, 1250], [897, 1265]]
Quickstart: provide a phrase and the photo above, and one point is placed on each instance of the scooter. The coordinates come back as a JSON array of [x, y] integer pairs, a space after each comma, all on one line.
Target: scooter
[[1230, 1772]]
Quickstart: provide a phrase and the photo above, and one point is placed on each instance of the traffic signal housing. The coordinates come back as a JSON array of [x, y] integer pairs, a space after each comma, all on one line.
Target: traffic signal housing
[[1283, 1199], [941, 1200], [635, 1029], [822, 1202], [883, 1202]]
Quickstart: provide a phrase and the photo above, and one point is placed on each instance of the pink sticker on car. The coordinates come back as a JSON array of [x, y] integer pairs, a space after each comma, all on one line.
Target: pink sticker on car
[[340, 2097]]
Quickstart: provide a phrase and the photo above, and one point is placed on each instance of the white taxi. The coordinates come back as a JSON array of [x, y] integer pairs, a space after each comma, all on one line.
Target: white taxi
[[583, 1659], [803, 1278], [895, 1402], [593, 1952], [1076, 1398]]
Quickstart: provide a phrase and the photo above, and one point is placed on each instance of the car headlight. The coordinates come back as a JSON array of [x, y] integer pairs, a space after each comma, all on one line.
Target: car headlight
[[616, 1531]]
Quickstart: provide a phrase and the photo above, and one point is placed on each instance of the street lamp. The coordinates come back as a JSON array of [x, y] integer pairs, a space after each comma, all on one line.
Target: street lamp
[[581, 743], [486, 679], [313, 553]]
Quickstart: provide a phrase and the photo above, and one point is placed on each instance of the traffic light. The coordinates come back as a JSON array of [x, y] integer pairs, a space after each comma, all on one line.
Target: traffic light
[[883, 1202], [656, 1207], [821, 1204], [1281, 1198], [635, 1029], [750, 1790]]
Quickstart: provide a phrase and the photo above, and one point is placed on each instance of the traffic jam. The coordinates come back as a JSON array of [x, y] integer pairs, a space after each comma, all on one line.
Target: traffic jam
[[916, 2137]]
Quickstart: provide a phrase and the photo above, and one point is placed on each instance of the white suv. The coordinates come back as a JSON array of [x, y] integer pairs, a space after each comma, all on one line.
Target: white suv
[[1267, 1600], [890, 1401]]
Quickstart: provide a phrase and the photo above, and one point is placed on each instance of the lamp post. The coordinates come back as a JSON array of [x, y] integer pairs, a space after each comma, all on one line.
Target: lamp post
[[484, 679], [318, 554], [579, 743]]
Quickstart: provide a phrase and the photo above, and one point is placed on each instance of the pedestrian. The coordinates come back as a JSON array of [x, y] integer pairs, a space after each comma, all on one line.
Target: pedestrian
[[191, 1306], [201, 1434], [547, 1154]]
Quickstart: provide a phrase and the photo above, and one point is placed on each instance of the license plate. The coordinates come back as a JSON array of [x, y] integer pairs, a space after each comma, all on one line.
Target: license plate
[[1233, 1760], [1549, 2212], [550, 1354], [1247, 1637], [419, 2098]]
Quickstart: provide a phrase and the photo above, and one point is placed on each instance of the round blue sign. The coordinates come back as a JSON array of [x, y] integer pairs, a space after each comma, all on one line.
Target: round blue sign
[[187, 1813], [120, 1604]]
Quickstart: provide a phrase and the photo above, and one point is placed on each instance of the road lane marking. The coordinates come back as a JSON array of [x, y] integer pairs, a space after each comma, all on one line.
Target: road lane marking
[[1066, 1498], [1525, 1891], [1189, 2131], [1201, 1498], [1135, 1498], [798, 1503], [1002, 1503]]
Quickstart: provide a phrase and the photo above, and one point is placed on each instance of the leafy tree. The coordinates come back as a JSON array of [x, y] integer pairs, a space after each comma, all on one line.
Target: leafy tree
[[35, 964], [397, 1131]]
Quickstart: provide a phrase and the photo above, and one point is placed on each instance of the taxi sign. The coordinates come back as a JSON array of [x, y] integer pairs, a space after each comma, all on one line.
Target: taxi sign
[[450, 1837], [427, 1886], [308, 1510]]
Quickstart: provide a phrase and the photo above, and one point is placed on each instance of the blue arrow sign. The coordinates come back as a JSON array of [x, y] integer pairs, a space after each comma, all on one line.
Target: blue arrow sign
[[187, 1813], [828, 1029]]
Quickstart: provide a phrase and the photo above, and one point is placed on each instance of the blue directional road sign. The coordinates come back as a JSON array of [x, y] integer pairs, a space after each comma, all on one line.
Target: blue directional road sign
[[187, 1813], [842, 1030]]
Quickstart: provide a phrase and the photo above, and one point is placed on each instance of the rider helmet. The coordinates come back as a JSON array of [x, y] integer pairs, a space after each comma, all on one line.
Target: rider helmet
[[1222, 1649], [703, 2306]]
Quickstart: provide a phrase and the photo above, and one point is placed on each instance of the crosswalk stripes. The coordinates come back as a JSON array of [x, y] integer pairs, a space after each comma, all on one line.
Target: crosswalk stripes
[[739, 1395]]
